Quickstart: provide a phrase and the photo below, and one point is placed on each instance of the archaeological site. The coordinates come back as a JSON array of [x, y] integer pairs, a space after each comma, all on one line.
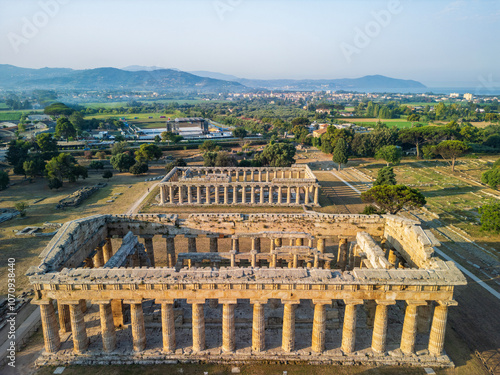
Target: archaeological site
[[235, 288]]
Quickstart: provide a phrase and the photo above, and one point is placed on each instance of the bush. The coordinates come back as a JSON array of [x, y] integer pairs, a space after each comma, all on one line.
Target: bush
[[139, 168], [4, 180], [21, 207], [55, 183], [100, 155], [371, 210], [107, 175]]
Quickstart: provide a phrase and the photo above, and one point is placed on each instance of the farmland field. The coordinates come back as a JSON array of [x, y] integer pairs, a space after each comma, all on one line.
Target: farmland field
[[390, 122]]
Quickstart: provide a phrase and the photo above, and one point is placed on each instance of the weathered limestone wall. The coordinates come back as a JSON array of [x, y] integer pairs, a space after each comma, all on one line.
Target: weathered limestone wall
[[412, 242], [372, 251], [65, 247]]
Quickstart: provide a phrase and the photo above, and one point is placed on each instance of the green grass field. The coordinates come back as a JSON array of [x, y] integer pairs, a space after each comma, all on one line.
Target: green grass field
[[14, 115], [140, 116], [399, 123]]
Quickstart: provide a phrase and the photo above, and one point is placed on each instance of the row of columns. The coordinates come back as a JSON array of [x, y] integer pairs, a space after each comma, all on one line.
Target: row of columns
[[231, 194], [251, 175], [379, 337]]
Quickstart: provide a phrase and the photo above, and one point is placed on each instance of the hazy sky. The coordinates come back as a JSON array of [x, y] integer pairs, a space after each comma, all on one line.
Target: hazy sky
[[434, 41]]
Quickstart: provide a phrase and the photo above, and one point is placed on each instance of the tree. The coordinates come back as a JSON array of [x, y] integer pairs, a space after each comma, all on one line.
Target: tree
[[177, 163], [47, 145], [34, 166], [157, 139], [148, 152], [64, 128], [122, 162], [417, 136], [21, 207], [391, 154], [341, 153], [96, 165], [491, 177], [393, 198], [100, 155], [276, 155], [57, 109], [452, 150], [225, 159], [119, 148], [139, 168], [208, 145], [55, 183], [4, 180], [107, 175], [64, 166], [209, 159], [240, 133], [385, 176], [301, 121], [490, 217], [17, 153]]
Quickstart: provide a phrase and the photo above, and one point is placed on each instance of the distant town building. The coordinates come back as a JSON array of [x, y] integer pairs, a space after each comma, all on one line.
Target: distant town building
[[454, 95], [468, 97], [39, 118]]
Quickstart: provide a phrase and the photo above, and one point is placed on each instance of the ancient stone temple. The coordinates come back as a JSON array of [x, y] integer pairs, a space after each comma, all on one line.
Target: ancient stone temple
[[234, 185], [315, 288]]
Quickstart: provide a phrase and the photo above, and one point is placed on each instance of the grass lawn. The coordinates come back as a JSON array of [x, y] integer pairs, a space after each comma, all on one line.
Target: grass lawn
[[14, 115], [399, 123]]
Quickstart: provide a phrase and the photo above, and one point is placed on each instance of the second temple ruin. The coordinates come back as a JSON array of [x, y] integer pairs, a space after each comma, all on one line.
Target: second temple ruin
[[313, 288]]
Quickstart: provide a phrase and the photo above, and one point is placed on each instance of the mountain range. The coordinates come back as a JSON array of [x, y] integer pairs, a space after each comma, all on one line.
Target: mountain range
[[141, 78]]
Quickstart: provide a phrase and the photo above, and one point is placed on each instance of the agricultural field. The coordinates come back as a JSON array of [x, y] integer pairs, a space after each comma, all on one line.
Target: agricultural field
[[15, 115], [399, 123], [455, 197]]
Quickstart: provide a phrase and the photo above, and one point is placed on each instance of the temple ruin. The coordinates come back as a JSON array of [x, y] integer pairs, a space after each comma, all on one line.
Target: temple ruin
[[236, 185], [236, 288]]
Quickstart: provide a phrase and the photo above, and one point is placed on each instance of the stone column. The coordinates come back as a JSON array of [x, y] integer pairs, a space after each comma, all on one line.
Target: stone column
[[349, 328], [171, 194], [316, 194], [379, 336], [107, 327], [244, 175], [251, 175], [288, 338], [299, 242], [191, 243], [51, 338], [235, 194], [267, 176], [207, 191], [306, 195], [64, 319], [181, 198], [252, 194], [297, 195], [225, 195], [117, 310], [253, 258], [99, 258], [256, 244], [438, 328], [258, 326], [342, 253], [233, 257], [260, 175], [319, 325], [272, 245], [167, 324], [214, 244], [261, 190], [289, 195], [278, 242], [198, 323], [270, 198], [162, 194], [410, 327], [170, 244], [80, 339], [228, 330], [198, 194], [216, 190], [244, 194], [280, 192], [189, 194], [137, 324], [148, 244], [236, 244], [107, 250]]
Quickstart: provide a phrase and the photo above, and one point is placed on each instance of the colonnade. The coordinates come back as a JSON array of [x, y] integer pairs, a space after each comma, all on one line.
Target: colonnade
[[238, 193], [229, 342]]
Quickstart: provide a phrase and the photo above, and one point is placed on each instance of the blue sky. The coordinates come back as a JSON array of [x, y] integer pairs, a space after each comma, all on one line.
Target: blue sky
[[439, 43]]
